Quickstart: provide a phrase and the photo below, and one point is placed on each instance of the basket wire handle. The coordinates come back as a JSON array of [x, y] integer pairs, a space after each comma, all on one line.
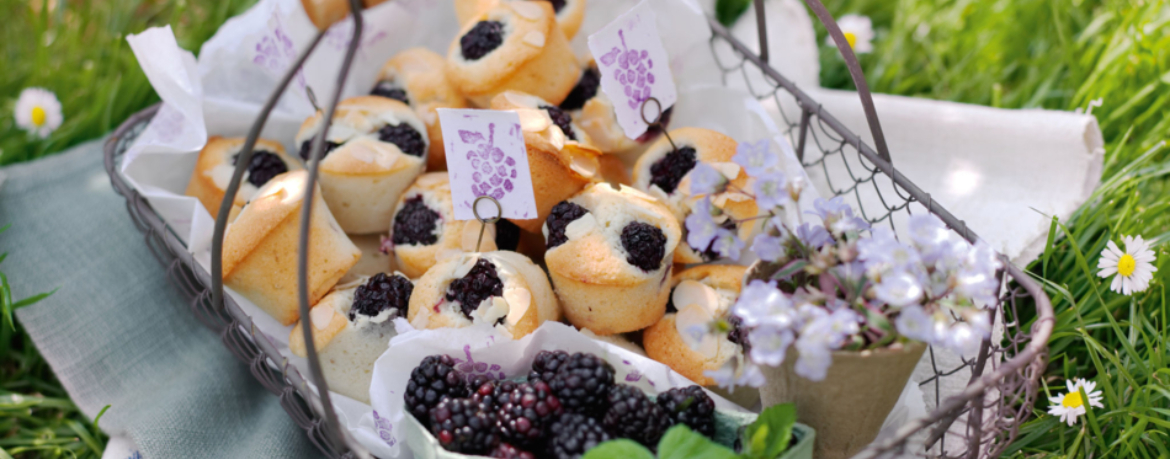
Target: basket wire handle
[[858, 76], [331, 429], [331, 432]]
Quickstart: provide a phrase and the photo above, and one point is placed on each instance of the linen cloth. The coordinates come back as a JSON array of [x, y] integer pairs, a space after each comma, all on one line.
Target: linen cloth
[[116, 332]]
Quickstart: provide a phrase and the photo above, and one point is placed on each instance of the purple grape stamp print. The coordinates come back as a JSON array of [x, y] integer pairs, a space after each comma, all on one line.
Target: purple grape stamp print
[[634, 67], [486, 157]]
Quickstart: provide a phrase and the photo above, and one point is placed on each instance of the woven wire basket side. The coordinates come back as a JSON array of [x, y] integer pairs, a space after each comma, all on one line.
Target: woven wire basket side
[[1001, 381], [235, 328]]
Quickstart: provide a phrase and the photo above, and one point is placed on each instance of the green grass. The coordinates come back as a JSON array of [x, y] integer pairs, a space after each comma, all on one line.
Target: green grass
[[77, 49], [1063, 54], [1058, 54]]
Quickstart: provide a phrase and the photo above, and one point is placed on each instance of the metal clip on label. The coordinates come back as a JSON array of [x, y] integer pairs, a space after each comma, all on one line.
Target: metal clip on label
[[483, 222], [657, 123]]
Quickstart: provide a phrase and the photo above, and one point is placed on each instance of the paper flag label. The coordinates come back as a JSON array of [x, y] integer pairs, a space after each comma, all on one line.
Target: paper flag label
[[634, 67], [486, 157]]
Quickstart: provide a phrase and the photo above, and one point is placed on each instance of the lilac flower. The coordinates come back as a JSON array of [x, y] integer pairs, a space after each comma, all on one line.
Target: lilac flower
[[843, 323], [882, 252], [706, 180], [913, 322], [756, 158], [813, 236], [701, 227], [768, 248], [930, 235], [849, 224], [769, 344], [831, 210], [899, 289], [727, 244], [770, 191]]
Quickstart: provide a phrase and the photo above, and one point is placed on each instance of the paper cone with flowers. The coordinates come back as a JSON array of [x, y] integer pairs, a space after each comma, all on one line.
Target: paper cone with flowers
[[836, 314]]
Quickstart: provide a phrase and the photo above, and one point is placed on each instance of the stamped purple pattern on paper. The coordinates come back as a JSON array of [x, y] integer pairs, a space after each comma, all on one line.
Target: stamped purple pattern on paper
[[486, 157], [275, 51], [340, 34], [634, 67], [470, 368], [385, 429]]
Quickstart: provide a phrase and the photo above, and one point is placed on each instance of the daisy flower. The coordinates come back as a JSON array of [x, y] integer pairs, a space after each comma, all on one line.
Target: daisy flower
[[38, 112], [1071, 405], [858, 32], [1133, 267]]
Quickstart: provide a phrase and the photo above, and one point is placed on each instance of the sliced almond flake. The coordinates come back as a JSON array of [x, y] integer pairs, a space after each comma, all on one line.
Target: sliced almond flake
[[528, 10], [629, 190], [519, 300], [523, 100], [580, 227], [729, 170], [321, 315], [429, 180], [555, 136], [533, 120], [534, 38], [584, 165], [465, 268], [690, 292]]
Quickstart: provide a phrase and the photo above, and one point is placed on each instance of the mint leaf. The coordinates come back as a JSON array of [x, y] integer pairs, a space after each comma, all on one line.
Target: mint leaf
[[727, 11], [681, 443], [770, 434], [619, 449]]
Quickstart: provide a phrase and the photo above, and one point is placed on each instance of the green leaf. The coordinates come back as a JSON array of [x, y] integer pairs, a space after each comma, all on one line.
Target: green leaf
[[32, 299], [775, 427], [682, 443], [619, 449], [728, 11]]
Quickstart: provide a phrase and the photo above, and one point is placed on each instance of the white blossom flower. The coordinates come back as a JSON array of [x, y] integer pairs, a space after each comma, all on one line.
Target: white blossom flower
[[761, 303], [701, 226], [1071, 405], [930, 236], [756, 158], [882, 252], [1133, 267], [815, 357], [843, 323], [769, 344], [38, 112], [899, 289], [915, 323], [736, 372], [727, 244], [858, 31], [706, 180], [770, 191], [830, 210]]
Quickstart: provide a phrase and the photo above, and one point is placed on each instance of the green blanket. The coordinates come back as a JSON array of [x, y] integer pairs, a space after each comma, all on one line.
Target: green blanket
[[117, 333]]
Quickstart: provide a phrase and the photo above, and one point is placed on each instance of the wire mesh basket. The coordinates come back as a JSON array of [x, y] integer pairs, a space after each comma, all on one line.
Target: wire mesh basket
[[979, 421]]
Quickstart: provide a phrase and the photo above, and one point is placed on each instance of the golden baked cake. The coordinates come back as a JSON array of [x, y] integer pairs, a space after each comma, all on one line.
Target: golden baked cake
[[260, 248], [559, 165], [373, 152], [418, 77], [502, 289], [664, 173], [513, 45], [352, 327], [217, 163], [425, 231], [569, 13], [609, 258], [699, 295]]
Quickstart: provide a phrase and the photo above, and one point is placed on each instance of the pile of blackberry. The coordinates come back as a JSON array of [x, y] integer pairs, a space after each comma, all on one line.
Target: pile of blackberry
[[569, 404]]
